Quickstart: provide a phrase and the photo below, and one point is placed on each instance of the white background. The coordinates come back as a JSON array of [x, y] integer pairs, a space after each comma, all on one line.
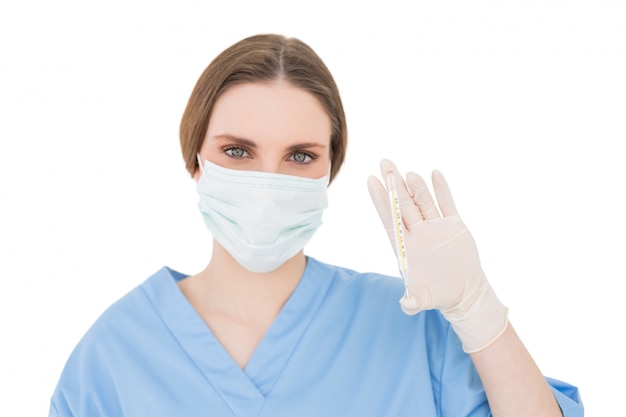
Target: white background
[[521, 105]]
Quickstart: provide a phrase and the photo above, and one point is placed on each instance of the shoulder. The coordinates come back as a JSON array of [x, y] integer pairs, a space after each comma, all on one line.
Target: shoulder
[[116, 347], [136, 308], [376, 295], [125, 325]]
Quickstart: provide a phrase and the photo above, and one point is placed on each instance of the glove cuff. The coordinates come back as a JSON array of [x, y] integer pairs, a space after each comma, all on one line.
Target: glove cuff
[[482, 324]]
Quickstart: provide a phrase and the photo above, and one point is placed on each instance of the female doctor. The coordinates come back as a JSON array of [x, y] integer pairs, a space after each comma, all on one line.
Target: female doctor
[[264, 330]]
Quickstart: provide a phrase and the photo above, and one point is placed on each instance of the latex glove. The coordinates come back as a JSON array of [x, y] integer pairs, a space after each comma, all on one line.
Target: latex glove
[[444, 270]]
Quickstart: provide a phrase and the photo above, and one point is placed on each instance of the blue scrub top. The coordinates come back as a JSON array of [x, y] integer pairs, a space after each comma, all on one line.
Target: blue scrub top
[[340, 346]]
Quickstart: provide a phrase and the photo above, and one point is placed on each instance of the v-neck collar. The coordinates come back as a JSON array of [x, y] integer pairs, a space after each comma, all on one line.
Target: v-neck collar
[[243, 390]]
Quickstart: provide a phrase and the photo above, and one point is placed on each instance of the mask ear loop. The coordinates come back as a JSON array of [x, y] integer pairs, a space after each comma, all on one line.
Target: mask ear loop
[[330, 167], [200, 164]]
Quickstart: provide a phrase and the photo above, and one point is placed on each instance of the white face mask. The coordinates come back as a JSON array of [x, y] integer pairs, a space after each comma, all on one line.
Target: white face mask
[[262, 219]]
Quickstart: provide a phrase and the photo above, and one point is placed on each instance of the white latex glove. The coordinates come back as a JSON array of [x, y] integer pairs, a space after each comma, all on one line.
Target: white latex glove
[[444, 270]]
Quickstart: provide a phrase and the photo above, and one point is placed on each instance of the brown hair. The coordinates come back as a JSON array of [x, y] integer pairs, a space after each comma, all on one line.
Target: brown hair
[[262, 58]]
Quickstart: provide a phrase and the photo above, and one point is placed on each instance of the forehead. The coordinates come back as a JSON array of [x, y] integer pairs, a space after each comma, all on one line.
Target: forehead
[[276, 112]]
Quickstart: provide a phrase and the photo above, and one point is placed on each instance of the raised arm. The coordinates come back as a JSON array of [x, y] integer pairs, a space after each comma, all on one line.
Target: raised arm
[[444, 272]]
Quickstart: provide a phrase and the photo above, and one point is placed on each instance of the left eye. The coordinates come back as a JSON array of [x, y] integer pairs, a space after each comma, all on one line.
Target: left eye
[[301, 157]]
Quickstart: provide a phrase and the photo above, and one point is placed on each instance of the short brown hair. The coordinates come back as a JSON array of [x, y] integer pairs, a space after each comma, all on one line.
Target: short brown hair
[[262, 58]]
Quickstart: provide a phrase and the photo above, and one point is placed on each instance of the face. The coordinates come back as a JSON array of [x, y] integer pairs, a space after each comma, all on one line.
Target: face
[[270, 127]]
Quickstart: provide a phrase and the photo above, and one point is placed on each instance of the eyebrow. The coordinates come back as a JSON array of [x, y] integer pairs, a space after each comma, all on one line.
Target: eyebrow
[[231, 138], [251, 144]]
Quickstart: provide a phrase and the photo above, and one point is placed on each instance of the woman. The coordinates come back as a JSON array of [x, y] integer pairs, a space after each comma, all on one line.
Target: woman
[[264, 330]]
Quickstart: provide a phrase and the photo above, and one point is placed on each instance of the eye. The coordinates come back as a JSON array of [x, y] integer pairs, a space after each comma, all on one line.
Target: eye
[[302, 157], [235, 152]]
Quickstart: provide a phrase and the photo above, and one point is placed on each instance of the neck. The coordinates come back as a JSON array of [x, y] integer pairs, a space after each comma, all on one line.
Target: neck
[[234, 290]]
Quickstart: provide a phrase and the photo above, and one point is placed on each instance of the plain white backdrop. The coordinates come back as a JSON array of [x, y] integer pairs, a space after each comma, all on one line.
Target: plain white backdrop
[[521, 105]]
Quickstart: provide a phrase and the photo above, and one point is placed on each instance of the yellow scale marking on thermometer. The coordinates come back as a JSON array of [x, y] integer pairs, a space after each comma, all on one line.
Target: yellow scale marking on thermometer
[[397, 229]]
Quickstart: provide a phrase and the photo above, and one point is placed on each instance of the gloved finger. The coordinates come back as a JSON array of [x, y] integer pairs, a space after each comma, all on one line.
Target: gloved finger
[[444, 196], [380, 198], [410, 214], [421, 196]]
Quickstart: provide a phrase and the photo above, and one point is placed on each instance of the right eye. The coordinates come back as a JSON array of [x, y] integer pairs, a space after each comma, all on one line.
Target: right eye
[[236, 152]]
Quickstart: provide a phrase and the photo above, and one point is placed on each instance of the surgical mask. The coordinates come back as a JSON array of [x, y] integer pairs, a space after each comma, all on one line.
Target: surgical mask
[[262, 219]]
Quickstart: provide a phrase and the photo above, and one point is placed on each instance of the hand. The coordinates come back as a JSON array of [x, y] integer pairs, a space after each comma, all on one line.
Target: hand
[[444, 270]]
